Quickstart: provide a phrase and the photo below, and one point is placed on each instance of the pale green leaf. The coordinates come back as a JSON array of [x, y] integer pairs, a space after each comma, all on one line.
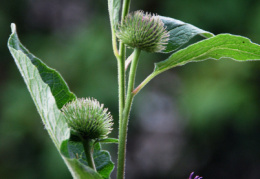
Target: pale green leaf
[[45, 86], [114, 9], [49, 93]]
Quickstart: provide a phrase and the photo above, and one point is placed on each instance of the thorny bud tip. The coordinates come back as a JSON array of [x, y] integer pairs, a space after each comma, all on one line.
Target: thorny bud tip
[[144, 31], [88, 118]]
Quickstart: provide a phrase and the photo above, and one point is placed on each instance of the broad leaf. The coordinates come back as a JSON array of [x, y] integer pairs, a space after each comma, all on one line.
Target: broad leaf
[[49, 93], [45, 86], [223, 46], [81, 171], [181, 33], [73, 148], [57, 85]]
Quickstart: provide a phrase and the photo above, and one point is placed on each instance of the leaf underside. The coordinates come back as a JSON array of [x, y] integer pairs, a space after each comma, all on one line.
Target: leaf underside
[[113, 9], [50, 92], [58, 86]]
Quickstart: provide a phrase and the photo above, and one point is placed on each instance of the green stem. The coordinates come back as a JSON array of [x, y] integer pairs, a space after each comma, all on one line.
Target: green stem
[[121, 83], [121, 89], [125, 117], [88, 148], [121, 66], [149, 78], [125, 10]]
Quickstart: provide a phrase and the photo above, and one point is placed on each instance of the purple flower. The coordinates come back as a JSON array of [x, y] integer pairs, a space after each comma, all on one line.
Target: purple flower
[[196, 177]]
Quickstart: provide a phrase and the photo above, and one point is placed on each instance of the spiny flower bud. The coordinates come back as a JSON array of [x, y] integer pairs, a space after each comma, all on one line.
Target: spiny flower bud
[[88, 118], [144, 31]]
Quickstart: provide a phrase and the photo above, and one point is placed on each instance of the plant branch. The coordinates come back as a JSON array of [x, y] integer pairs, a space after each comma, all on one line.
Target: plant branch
[[147, 79], [124, 123], [128, 61]]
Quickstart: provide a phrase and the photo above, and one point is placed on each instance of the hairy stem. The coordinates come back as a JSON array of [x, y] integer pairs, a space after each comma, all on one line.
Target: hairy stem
[[125, 117], [121, 65], [149, 78], [121, 82], [121, 89], [125, 10], [88, 148]]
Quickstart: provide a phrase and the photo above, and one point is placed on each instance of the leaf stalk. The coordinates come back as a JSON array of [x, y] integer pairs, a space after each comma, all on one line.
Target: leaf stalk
[[146, 80]]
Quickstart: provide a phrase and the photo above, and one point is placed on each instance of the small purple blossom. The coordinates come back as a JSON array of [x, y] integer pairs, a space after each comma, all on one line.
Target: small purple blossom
[[196, 177]]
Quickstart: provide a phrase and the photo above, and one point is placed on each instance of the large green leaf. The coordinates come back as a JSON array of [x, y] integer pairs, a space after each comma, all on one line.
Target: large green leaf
[[223, 46], [57, 85], [49, 93], [181, 33], [45, 86], [73, 148]]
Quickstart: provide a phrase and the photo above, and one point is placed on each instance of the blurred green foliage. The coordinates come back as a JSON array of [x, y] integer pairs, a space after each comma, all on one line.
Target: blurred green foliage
[[217, 102]]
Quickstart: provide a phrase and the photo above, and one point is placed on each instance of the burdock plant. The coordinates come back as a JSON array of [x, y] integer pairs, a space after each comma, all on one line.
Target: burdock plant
[[78, 127]]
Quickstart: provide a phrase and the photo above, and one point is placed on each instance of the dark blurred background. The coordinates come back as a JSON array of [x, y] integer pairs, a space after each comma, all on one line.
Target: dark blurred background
[[202, 117]]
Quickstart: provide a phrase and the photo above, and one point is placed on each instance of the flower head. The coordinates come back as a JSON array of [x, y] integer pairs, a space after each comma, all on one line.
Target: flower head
[[88, 118], [144, 31]]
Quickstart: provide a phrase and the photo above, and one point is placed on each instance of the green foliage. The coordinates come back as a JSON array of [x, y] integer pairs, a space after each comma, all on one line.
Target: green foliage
[[50, 92], [73, 149], [81, 171], [181, 33], [223, 46], [45, 85], [33, 72], [57, 85], [114, 8]]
